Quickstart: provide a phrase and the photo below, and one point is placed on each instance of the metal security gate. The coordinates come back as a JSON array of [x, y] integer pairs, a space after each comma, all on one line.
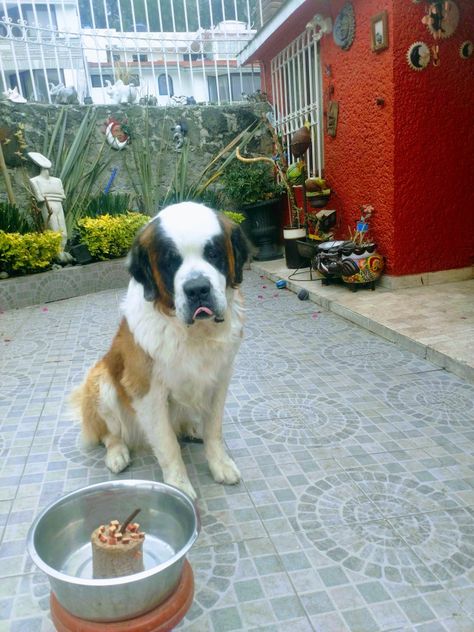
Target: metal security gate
[[297, 89]]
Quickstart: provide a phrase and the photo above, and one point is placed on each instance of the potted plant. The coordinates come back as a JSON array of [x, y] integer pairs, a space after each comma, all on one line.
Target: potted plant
[[250, 187]]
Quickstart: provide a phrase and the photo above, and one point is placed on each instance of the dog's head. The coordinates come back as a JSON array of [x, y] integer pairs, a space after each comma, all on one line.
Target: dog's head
[[186, 258]]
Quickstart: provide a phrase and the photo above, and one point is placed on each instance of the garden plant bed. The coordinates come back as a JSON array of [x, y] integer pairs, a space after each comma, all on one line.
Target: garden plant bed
[[56, 285]]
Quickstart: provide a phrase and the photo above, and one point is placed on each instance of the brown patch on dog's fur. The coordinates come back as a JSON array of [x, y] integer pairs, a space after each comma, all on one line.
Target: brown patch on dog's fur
[[228, 226], [127, 367], [164, 301]]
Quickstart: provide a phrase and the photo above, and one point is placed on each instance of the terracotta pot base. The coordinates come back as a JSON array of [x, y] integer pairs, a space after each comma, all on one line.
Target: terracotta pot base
[[163, 618]]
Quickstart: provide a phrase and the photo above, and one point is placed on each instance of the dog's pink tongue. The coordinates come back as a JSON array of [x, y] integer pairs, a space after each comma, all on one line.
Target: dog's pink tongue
[[202, 310]]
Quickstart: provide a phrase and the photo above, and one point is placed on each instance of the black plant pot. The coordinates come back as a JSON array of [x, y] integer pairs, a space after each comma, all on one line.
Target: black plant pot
[[262, 227], [81, 253], [293, 257]]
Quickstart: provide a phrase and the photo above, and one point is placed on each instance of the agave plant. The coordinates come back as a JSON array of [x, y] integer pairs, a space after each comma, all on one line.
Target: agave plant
[[181, 188]]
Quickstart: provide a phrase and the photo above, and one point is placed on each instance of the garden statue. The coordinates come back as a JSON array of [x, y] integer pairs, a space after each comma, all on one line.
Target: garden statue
[[14, 96], [121, 92], [49, 192], [62, 95]]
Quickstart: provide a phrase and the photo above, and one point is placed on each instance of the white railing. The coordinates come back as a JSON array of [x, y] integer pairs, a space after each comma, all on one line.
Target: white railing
[[296, 88], [88, 43]]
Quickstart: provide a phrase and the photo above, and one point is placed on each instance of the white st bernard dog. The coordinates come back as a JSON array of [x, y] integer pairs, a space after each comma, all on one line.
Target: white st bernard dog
[[170, 363]]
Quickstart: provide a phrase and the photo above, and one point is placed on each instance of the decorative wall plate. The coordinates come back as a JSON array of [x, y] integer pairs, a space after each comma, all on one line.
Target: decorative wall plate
[[466, 49], [344, 27], [442, 18], [418, 56]]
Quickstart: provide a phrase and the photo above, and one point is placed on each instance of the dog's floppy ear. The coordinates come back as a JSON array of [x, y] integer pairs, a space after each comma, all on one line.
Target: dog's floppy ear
[[241, 249], [139, 266]]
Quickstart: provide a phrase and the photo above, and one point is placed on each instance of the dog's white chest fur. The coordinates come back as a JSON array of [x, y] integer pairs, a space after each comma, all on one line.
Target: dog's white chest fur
[[188, 360]]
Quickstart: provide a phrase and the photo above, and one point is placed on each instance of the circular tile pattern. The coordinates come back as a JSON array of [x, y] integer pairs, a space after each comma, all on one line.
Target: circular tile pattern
[[24, 346], [313, 323], [250, 365], [70, 446], [395, 527], [433, 400], [283, 300], [365, 354], [97, 341], [214, 569], [299, 420], [13, 383]]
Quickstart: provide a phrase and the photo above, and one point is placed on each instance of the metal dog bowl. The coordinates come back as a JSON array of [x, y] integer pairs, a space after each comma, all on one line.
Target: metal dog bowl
[[59, 544]]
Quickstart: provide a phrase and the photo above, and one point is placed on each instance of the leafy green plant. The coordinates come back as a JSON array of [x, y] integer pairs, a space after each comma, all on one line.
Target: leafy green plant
[[108, 204], [13, 220], [238, 218], [248, 183], [109, 237], [146, 176], [183, 188], [28, 252]]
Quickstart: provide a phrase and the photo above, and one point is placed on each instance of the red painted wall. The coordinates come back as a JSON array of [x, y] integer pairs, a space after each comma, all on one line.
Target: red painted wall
[[434, 148], [413, 157]]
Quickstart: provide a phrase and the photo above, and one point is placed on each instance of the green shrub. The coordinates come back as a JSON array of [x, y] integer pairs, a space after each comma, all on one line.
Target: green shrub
[[109, 237], [31, 252], [12, 220], [108, 204], [247, 183], [238, 218]]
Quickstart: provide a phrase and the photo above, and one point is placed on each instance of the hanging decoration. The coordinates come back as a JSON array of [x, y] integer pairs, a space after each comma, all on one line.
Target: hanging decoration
[[466, 49], [344, 27], [117, 133], [418, 56], [442, 18]]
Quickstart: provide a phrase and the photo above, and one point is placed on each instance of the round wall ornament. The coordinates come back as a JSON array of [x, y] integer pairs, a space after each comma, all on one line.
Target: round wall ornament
[[418, 56], [466, 49], [344, 27], [442, 18]]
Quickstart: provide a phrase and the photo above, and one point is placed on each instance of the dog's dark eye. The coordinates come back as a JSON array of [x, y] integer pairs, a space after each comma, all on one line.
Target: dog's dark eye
[[212, 254], [172, 259]]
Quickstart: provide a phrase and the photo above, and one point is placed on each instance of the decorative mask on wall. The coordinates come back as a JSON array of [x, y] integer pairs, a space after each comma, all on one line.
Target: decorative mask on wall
[[442, 18], [418, 56], [344, 27], [466, 49]]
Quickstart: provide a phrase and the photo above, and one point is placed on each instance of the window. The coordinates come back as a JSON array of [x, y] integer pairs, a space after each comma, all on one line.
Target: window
[[296, 88], [165, 85], [98, 81], [140, 57], [239, 84]]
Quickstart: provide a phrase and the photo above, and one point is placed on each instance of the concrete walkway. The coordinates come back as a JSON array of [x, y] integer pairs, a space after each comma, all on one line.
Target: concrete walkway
[[436, 321], [355, 512]]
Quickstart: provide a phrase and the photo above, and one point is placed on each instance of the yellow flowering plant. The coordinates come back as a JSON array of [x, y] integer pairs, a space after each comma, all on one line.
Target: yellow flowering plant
[[109, 237], [29, 252]]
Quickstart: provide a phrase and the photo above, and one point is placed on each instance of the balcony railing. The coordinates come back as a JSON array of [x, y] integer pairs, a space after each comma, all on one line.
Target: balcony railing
[[87, 44]]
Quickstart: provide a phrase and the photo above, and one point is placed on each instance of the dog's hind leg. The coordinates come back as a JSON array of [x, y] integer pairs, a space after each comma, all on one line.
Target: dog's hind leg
[[117, 457], [97, 404]]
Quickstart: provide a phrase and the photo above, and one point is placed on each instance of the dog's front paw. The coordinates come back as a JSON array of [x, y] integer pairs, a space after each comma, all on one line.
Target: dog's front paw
[[224, 470], [117, 458], [182, 482]]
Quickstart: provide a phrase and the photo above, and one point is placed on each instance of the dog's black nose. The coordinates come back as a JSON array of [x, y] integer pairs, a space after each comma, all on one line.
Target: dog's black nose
[[197, 289]]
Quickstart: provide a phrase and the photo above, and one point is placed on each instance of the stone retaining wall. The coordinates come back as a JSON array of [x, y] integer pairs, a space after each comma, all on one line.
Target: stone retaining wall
[[56, 285], [209, 129]]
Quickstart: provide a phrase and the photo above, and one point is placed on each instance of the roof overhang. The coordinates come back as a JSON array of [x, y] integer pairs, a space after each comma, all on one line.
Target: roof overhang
[[250, 53]]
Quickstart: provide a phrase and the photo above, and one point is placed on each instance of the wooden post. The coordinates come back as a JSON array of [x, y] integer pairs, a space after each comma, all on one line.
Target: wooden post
[[6, 175]]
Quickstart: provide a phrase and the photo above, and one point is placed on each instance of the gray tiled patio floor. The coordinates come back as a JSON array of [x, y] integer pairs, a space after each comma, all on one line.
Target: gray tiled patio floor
[[356, 508]]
